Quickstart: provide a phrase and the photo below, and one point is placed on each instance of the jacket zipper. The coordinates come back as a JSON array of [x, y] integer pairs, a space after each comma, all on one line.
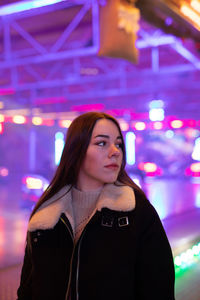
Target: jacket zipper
[[78, 263], [70, 273], [78, 258]]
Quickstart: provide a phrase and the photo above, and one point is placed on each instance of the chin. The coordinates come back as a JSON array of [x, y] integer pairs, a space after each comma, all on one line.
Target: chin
[[111, 180]]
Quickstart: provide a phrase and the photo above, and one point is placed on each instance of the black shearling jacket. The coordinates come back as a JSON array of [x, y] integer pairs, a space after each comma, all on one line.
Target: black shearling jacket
[[122, 254]]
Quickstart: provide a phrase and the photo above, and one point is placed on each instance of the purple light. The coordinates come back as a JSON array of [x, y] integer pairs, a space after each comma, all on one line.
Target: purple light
[[25, 5]]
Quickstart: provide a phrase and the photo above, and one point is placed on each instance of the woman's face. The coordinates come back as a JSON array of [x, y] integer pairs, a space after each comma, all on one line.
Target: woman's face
[[103, 158]]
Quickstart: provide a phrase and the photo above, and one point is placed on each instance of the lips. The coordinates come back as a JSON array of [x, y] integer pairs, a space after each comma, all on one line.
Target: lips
[[112, 166]]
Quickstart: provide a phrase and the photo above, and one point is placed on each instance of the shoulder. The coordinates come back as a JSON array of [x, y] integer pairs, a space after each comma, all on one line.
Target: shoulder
[[144, 210]]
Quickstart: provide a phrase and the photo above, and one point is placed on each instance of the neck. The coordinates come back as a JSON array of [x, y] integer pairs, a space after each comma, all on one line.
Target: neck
[[89, 187]]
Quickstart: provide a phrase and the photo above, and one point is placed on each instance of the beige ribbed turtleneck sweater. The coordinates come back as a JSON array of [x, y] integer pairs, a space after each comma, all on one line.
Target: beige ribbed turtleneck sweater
[[83, 203]]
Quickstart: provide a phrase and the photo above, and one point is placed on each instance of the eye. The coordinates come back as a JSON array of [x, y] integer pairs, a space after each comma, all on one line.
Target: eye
[[119, 146], [101, 143]]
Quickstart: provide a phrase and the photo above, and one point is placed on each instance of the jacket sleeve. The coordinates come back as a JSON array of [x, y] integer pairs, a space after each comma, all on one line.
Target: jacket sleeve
[[155, 267], [24, 290]]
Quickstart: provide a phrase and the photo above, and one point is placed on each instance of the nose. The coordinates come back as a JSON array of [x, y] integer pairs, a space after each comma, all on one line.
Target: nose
[[114, 151]]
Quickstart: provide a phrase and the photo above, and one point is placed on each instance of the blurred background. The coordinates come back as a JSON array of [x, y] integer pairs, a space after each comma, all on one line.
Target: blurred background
[[136, 60]]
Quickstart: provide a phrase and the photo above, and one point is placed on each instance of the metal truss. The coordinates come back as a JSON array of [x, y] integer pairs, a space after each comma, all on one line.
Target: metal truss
[[71, 66]]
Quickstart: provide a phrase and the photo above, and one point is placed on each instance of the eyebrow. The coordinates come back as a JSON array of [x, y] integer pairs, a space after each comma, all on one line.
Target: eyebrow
[[107, 136]]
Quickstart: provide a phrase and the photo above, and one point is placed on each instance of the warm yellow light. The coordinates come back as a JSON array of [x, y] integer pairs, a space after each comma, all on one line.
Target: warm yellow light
[[191, 14], [1, 104], [65, 123], [37, 121], [2, 118], [157, 125], [196, 5], [150, 167], [177, 124], [140, 126], [19, 119], [123, 125], [195, 167], [33, 183]]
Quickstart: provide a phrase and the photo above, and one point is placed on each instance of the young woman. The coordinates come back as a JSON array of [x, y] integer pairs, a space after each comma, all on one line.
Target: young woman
[[93, 235]]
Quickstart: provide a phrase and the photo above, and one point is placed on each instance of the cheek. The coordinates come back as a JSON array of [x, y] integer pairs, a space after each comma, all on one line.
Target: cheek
[[92, 161]]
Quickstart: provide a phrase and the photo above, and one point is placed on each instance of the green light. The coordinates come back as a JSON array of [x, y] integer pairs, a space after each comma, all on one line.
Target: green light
[[187, 258]]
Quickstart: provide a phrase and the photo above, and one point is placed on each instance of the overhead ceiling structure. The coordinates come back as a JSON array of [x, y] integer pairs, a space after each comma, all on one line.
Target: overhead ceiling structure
[[49, 62]]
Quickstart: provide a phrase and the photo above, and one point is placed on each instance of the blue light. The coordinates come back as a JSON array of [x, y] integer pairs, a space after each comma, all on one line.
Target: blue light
[[196, 150], [169, 134], [130, 148], [156, 104], [156, 114], [59, 145], [197, 200], [25, 5]]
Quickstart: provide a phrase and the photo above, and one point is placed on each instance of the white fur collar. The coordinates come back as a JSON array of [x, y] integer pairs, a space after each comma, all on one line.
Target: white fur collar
[[118, 198]]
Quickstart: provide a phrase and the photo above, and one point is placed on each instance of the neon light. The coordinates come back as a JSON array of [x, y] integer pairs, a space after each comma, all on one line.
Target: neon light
[[196, 150], [4, 172], [150, 167], [156, 104], [140, 126], [1, 128], [2, 118], [176, 124], [191, 123], [48, 122], [37, 121], [19, 119], [169, 134], [156, 114], [123, 125], [33, 183], [157, 125], [195, 167], [196, 5], [65, 123], [59, 145], [191, 14], [187, 257], [25, 5], [88, 107], [130, 148], [197, 200], [9, 91]]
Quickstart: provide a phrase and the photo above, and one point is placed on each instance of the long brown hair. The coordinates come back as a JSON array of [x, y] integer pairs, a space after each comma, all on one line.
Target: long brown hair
[[76, 144]]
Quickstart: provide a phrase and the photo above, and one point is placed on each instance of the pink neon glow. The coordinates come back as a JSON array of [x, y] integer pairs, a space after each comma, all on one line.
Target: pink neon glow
[[88, 107], [9, 91], [48, 122], [4, 172], [191, 123], [193, 170]]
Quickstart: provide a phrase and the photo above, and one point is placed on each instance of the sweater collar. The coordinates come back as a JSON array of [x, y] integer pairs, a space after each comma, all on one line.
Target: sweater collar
[[114, 197]]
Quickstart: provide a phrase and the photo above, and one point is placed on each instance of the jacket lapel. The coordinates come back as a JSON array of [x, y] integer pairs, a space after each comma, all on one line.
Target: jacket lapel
[[114, 197]]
